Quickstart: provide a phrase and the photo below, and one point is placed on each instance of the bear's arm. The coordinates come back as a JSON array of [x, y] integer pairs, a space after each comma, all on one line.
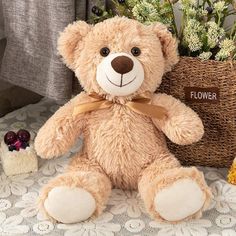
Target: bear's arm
[[62, 129], [182, 125]]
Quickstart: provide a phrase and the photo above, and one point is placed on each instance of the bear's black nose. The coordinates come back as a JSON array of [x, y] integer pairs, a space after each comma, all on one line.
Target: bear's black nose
[[122, 64]]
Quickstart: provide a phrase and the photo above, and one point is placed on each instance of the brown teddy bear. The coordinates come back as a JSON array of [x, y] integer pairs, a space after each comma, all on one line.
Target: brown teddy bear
[[120, 63]]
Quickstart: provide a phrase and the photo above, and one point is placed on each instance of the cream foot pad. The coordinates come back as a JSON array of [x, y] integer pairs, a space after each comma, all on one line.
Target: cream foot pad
[[180, 200], [69, 205], [18, 162]]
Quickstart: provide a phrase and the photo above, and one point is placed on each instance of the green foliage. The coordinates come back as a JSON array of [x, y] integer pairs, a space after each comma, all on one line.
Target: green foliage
[[202, 32]]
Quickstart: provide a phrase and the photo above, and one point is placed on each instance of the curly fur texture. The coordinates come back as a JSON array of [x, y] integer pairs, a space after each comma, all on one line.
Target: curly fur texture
[[122, 149]]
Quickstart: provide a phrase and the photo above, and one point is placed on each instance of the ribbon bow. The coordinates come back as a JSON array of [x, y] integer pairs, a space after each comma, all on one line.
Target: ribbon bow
[[138, 104]]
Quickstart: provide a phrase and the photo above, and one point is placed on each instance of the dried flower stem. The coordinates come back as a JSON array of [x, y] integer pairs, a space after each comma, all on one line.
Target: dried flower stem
[[173, 15]]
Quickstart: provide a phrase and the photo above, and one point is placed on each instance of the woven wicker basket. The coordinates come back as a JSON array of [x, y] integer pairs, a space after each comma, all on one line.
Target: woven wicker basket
[[217, 107]]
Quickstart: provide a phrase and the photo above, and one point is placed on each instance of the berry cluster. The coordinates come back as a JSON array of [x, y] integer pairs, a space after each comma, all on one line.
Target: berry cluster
[[17, 141], [97, 11]]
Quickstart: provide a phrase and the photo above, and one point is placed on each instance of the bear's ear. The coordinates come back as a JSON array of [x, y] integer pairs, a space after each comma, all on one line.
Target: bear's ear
[[69, 39], [169, 45]]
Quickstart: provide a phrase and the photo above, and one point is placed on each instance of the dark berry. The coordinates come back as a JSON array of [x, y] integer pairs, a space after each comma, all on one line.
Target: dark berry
[[104, 51], [23, 135], [24, 145], [11, 148], [209, 10], [121, 1], [136, 51], [97, 11], [10, 137]]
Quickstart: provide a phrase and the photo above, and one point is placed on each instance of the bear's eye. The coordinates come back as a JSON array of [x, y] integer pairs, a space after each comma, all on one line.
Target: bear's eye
[[104, 51], [136, 51]]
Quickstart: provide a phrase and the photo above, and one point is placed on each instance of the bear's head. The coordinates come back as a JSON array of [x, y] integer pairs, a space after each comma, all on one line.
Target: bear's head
[[118, 58]]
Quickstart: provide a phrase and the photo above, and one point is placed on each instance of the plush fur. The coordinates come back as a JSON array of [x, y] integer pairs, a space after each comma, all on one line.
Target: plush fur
[[122, 149]]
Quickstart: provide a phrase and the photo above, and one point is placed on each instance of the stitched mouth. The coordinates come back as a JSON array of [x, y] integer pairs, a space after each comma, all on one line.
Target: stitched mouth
[[121, 82]]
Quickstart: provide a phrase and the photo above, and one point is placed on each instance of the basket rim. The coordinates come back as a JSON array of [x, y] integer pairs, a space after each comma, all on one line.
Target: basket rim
[[227, 62]]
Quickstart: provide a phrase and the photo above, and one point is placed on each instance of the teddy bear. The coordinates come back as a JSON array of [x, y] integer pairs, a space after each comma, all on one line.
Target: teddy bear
[[124, 123]]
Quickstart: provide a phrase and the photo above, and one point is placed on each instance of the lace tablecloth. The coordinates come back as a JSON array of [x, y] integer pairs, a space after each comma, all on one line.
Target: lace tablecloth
[[124, 215]]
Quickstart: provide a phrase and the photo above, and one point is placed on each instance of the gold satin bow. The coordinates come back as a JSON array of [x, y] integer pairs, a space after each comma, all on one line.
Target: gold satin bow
[[138, 104]]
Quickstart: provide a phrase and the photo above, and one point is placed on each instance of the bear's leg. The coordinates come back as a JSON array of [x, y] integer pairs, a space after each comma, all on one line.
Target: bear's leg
[[78, 194], [173, 193]]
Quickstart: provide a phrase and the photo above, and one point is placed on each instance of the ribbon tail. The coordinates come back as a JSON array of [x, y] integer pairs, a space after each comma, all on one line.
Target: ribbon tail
[[149, 110], [91, 106]]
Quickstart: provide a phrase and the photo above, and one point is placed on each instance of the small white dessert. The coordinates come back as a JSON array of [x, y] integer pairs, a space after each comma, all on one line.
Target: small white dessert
[[18, 162]]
